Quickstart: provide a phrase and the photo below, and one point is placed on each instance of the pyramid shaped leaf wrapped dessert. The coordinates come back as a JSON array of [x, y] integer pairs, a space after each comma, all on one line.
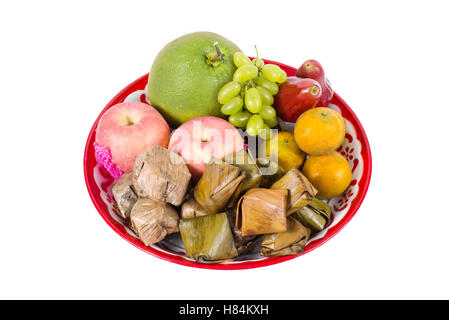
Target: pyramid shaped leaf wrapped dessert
[[161, 175], [146, 196]]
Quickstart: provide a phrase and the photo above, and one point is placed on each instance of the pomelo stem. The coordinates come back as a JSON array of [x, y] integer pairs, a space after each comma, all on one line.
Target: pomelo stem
[[219, 55], [215, 58]]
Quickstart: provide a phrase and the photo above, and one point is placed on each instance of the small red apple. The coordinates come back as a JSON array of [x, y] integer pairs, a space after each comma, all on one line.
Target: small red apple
[[201, 138], [314, 70], [295, 96], [128, 129]]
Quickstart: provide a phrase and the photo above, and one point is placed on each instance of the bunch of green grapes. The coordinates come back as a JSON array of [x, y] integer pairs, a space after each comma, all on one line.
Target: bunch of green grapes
[[248, 99]]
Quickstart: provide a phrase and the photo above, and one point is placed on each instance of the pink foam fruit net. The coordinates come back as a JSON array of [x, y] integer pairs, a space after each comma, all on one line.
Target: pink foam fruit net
[[103, 156]]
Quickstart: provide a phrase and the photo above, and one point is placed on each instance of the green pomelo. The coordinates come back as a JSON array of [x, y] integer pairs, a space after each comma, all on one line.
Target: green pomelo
[[187, 74]]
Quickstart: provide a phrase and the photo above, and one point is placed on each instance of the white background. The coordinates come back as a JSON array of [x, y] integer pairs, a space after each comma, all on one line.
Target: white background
[[61, 62]]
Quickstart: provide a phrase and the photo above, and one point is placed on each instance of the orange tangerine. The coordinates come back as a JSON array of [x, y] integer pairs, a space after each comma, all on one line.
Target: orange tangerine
[[283, 145], [319, 131], [330, 174]]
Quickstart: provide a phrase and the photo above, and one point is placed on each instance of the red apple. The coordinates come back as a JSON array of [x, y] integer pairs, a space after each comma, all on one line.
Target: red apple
[[314, 70], [201, 138], [295, 96], [129, 129]]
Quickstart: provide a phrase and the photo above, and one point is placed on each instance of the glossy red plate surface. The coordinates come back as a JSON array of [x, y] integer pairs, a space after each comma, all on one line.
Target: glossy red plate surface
[[355, 148]]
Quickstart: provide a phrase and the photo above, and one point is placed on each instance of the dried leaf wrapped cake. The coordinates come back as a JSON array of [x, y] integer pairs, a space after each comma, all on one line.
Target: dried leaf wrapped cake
[[124, 195], [261, 211], [208, 239], [243, 244], [153, 220], [191, 209], [316, 215], [245, 161], [161, 175], [217, 185], [300, 190], [292, 241]]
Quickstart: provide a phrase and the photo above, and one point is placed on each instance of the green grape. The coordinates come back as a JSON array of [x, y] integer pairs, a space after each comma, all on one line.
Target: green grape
[[265, 133], [240, 59], [267, 98], [284, 76], [232, 106], [258, 62], [246, 72], [228, 91], [239, 119], [267, 112], [272, 72], [253, 100], [254, 125], [272, 122], [271, 86]]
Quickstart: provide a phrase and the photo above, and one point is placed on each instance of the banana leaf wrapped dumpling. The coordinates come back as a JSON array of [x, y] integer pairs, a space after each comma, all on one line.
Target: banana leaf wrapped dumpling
[[248, 166], [208, 239], [191, 209], [316, 215], [243, 244], [153, 220], [262, 211], [161, 175], [124, 195], [292, 241], [245, 161], [301, 191], [217, 185]]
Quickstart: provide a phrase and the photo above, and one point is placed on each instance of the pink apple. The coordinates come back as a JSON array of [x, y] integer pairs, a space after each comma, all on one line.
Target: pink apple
[[202, 138], [129, 129]]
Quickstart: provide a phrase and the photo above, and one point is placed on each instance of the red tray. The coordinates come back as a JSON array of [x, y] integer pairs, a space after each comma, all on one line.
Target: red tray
[[355, 148]]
